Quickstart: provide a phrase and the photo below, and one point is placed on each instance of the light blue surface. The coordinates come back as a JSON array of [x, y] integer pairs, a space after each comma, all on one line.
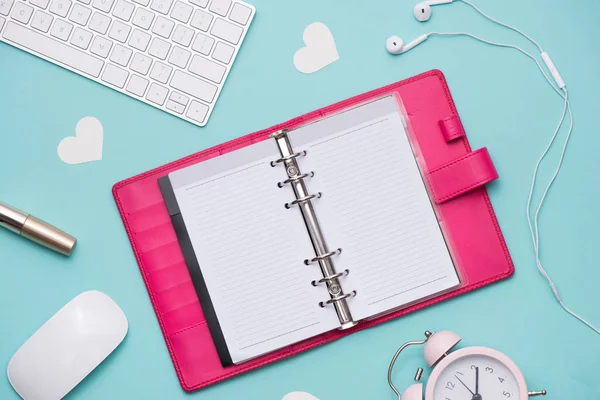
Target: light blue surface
[[504, 103]]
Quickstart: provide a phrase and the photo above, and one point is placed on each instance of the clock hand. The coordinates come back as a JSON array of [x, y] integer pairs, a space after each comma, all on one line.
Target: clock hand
[[476, 380], [464, 385]]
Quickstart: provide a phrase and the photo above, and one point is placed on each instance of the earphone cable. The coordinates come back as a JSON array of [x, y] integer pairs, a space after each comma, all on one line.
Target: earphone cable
[[561, 94], [512, 28], [534, 227], [534, 231]]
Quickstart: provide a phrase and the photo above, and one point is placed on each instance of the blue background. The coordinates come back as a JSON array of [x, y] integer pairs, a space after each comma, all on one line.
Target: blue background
[[504, 103]]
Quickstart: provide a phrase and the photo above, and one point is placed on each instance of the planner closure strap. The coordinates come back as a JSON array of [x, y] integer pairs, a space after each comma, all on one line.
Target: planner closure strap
[[461, 175], [451, 128]]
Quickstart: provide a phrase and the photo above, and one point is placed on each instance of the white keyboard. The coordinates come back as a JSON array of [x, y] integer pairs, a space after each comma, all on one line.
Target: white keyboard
[[172, 54]]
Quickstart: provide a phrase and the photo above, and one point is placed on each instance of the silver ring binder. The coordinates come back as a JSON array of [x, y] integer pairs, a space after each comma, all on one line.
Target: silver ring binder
[[324, 256], [288, 158], [328, 278], [303, 199], [296, 178], [304, 203], [333, 300]]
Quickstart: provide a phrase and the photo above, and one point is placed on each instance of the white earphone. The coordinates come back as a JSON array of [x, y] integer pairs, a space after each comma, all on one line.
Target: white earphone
[[395, 45], [423, 10]]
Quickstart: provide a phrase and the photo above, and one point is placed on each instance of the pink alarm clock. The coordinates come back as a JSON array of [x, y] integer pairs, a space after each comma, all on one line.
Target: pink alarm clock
[[471, 373]]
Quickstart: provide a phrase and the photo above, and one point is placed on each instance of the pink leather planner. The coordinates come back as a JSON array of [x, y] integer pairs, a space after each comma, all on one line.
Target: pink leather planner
[[455, 177]]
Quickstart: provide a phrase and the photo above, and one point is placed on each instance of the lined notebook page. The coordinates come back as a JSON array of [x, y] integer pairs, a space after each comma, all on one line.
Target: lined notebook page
[[250, 249], [376, 208]]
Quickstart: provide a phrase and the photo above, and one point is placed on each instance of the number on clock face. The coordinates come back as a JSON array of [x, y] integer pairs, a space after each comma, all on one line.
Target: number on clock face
[[458, 381]]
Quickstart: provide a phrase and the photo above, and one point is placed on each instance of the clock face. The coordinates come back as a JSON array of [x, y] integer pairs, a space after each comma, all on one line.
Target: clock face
[[476, 377]]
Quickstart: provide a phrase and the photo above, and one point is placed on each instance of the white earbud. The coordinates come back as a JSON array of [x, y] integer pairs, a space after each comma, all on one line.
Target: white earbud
[[395, 45], [422, 10]]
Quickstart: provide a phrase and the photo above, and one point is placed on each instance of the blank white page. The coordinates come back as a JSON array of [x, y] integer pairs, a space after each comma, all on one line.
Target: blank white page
[[376, 208], [250, 249]]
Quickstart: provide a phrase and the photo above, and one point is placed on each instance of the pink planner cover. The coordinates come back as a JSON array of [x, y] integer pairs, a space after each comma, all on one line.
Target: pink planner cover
[[455, 176]]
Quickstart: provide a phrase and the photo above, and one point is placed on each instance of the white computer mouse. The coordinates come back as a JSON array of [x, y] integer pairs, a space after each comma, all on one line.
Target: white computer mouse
[[67, 347]]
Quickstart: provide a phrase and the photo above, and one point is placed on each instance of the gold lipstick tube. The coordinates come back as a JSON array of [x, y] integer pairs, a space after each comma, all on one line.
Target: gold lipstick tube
[[36, 230]]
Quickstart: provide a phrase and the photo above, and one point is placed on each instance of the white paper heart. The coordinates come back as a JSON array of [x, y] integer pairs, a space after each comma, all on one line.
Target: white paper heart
[[320, 50], [299, 396], [86, 145]]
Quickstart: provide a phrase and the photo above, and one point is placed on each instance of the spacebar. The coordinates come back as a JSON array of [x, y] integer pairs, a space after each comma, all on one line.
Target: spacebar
[[53, 49]]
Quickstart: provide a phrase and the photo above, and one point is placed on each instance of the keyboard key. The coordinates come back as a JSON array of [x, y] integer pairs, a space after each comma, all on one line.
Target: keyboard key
[[178, 108], [119, 32], [139, 40], [159, 48], [103, 5], [240, 13], [42, 21], [201, 20], [161, 72], [207, 69], [220, 7], [60, 7], [61, 30], [141, 63], [193, 86], [137, 85], [53, 49], [123, 10], [100, 23], [179, 98], [86, 2], [200, 3], [157, 94], [121, 55], [80, 15], [40, 3], [163, 27], [197, 111], [227, 31], [183, 35], [142, 2], [203, 44], [5, 6], [223, 52], [115, 76], [22, 12], [143, 18], [81, 38], [162, 6], [182, 12], [2, 21], [179, 57], [101, 46]]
